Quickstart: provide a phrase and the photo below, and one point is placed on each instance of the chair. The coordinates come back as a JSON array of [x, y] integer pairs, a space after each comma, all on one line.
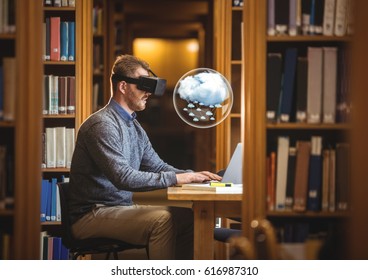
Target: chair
[[80, 247]]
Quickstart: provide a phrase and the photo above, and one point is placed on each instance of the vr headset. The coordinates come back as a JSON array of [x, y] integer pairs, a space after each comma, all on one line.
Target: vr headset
[[149, 84]]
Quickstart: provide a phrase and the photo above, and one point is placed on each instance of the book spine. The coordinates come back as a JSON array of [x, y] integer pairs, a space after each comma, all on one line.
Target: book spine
[[281, 177], [271, 26], [315, 175], [314, 88], [329, 84], [329, 17]]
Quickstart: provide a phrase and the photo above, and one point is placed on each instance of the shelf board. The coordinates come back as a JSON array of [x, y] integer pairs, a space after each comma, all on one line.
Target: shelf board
[[237, 8], [236, 62], [59, 9], [235, 115], [307, 214], [7, 36], [6, 212], [307, 38], [49, 62], [55, 223], [60, 116], [59, 169], [296, 126], [7, 124]]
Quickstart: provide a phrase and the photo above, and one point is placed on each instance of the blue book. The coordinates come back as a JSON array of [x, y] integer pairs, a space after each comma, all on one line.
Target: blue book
[[48, 202], [56, 250], [312, 24], [53, 198], [287, 91], [64, 41], [44, 198], [64, 252], [1, 93], [71, 41], [314, 202]]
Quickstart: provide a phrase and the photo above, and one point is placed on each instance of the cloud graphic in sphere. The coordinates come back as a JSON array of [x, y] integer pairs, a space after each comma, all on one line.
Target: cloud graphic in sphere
[[206, 88]]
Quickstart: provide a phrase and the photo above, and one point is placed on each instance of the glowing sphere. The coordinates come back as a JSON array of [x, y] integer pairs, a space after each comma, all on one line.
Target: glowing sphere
[[203, 98]]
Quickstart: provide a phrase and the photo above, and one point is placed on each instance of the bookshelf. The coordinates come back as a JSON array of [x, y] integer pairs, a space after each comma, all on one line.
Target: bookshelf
[[262, 135], [229, 62], [74, 81]]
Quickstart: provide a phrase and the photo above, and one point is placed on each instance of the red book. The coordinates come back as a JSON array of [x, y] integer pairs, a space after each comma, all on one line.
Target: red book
[[55, 38]]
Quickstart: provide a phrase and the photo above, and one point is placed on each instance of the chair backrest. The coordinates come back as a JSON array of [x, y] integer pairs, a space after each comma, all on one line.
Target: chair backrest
[[265, 241], [67, 236]]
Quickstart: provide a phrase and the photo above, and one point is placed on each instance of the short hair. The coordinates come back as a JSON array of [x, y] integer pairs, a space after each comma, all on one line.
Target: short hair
[[126, 65]]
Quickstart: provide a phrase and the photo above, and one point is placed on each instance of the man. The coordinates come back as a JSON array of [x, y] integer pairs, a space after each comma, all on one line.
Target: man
[[113, 157]]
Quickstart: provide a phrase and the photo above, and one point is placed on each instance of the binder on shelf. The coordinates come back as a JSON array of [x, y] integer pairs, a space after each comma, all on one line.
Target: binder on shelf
[[63, 95], [44, 199], [332, 182], [329, 17], [315, 175], [290, 178], [271, 25], [49, 201], [71, 41], [287, 88], [325, 179], [342, 176], [281, 175], [47, 40], [314, 87], [55, 38], [329, 84], [53, 199], [50, 147], [341, 17], [293, 30], [60, 146], [301, 89], [71, 95], [318, 17], [273, 86], [64, 40], [301, 175], [282, 16]]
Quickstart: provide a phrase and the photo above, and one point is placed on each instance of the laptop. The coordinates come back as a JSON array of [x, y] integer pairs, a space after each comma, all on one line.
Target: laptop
[[231, 182]]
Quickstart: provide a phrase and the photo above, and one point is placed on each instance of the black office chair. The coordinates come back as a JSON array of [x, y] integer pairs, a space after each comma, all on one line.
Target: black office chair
[[81, 247]]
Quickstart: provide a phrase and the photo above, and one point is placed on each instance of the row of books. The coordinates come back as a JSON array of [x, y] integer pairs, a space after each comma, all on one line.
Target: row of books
[[59, 39], [59, 3], [308, 177], [310, 17], [52, 247], [311, 88], [7, 16], [59, 95], [58, 146], [97, 19], [5, 245], [7, 88], [6, 179]]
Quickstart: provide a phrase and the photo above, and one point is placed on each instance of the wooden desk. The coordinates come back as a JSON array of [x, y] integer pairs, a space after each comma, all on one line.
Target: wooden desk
[[206, 207]]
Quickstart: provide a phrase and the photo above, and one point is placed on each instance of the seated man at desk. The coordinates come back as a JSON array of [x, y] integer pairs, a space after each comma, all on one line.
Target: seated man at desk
[[113, 157]]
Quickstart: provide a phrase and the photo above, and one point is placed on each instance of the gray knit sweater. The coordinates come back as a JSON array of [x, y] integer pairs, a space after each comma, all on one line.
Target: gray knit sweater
[[113, 157]]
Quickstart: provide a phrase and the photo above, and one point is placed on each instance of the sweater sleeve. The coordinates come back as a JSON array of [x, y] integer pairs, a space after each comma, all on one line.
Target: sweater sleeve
[[118, 158]]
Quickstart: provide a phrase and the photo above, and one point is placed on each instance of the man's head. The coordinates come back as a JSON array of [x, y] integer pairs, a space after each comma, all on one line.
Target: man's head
[[127, 94]]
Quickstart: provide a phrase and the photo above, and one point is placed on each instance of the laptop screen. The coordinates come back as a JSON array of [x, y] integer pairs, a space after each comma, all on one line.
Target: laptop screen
[[234, 170]]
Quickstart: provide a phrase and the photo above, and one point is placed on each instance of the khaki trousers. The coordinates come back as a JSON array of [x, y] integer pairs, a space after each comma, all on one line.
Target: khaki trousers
[[168, 231]]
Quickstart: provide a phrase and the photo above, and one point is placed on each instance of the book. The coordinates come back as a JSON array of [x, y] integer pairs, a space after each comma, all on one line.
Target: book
[[60, 137], [55, 38], [301, 175], [58, 205], [44, 198], [292, 30], [318, 17], [234, 188], [325, 179], [64, 40], [49, 201], [306, 14], [332, 182], [51, 147], [271, 25], [281, 173], [9, 84], [273, 85], [63, 95], [289, 200], [71, 95], [56, 252], [312, 27], [342, 176], [341, 17], [287, 88], [53, 199], [314, 87], [70, 143], [271, 181], [47, 38], [329, 17], [71, 41], [329, 84], [281, 16], [1, 92], [301, 89], [315, 175]]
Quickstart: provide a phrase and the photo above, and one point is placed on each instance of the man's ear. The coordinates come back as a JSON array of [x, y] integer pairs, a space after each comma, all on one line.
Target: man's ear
[[122, 86]]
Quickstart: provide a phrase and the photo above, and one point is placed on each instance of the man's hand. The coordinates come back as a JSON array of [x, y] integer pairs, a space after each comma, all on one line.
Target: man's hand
[[196, 177]]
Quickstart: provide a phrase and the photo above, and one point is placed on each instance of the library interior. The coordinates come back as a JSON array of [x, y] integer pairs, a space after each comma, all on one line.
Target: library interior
[[296, 69]]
